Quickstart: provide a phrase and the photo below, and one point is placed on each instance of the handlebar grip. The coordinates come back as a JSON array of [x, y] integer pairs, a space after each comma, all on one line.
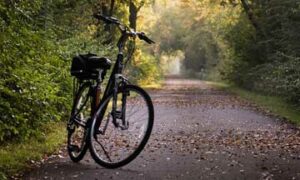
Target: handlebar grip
[[107, 20], [148, 40], [100, 17], [142, 36]]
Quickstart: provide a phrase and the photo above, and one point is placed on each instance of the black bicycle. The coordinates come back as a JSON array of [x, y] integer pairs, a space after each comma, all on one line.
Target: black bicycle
[[116, 127]]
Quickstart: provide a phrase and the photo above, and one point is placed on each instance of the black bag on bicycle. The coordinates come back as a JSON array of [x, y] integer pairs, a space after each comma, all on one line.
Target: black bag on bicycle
[[87, 66]]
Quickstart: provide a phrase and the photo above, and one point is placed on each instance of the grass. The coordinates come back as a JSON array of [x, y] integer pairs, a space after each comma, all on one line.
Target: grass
[[15, 157], [276, 105], [151, 86]]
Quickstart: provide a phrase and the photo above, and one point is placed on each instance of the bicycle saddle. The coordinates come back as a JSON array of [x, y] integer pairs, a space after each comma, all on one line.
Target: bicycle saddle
[[101, 62], [87, 66]]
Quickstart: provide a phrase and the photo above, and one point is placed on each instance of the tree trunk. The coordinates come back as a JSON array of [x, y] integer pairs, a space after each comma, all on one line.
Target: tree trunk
[[112, 5], [133, 10], [250, 15], [104, 8], [106, 12]]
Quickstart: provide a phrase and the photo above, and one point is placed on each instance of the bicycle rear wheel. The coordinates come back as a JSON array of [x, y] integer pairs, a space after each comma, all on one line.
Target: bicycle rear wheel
[[77, 126], [113, 146]]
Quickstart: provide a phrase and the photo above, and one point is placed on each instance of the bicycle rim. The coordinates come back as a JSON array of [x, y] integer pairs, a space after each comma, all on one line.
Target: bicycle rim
[[77, 146]]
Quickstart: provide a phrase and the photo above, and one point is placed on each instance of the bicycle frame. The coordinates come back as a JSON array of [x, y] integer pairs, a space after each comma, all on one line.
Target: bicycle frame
[[116, 75], [113, 84]]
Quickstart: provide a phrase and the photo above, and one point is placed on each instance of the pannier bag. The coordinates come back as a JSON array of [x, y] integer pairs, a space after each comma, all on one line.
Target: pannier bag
[[87, 66]]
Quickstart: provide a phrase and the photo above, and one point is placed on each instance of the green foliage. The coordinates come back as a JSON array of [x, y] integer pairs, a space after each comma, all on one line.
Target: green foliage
[[277, 78], [144, 69], [38, 40], [35, 85], [253, 43], [2, 176], [266, 58], [184, 26]]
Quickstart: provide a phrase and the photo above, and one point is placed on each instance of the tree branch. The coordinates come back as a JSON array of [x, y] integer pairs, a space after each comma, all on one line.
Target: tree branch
[[112, 5], [250, 15], [141, 5]]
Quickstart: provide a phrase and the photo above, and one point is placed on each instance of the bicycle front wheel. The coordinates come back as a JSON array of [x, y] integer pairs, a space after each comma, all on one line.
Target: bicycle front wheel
[[115, 142]]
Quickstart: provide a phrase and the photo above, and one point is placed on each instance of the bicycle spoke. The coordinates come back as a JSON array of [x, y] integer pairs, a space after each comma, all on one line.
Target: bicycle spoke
[[105, 152], [138, 116]]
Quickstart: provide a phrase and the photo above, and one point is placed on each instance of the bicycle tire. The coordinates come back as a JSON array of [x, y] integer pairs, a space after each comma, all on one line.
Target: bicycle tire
[[73, 125], [133, 124]]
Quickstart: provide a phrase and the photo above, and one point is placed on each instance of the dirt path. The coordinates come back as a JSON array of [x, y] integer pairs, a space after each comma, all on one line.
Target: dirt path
[[199, 133]]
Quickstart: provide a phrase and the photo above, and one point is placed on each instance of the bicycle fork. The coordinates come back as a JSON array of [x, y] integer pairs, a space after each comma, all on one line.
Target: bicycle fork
[[115, 113], [119, 114]]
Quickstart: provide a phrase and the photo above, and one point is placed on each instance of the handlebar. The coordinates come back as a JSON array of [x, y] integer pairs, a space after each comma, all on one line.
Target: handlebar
[[124, 29]]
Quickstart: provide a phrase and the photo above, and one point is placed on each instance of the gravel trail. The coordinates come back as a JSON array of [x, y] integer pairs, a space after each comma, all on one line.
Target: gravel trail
[[200, 133]]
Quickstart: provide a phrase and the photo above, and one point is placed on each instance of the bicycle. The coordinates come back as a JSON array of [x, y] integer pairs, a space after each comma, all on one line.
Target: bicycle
[[116, 127]]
